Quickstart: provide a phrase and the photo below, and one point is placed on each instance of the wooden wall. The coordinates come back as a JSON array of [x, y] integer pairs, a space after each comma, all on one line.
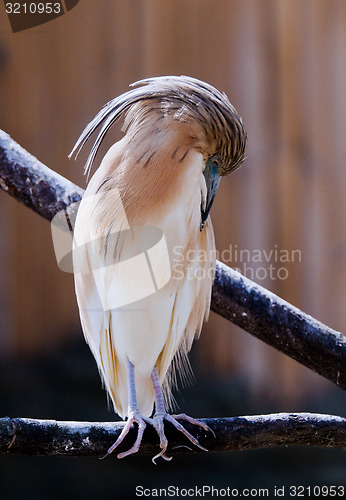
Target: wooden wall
[[283, 65]]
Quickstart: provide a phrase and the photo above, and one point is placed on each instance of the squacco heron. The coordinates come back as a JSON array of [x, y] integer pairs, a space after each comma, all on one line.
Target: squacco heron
[[157, 184]]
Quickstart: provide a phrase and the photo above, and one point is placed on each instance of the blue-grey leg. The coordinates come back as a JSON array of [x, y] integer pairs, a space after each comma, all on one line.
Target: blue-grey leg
[[134, 416], [161, 415]]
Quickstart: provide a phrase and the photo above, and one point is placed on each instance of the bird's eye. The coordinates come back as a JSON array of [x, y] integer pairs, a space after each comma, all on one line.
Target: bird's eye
[[215, 161]]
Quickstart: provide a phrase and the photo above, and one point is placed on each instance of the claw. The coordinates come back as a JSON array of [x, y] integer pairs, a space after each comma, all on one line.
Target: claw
[[183, 416], [161, 454], [134, 417], [158, 423], [186, 433]]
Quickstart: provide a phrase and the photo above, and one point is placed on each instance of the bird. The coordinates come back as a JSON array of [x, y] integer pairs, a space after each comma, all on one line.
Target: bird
[[180, 136]]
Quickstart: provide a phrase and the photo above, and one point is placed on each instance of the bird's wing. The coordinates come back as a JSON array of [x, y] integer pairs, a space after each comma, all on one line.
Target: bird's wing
[[91, 277], [192, 295]]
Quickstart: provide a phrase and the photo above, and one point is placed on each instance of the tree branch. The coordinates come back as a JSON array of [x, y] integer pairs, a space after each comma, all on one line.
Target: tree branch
[[32, 183], [279, 324], [235, 297], [49, 437]]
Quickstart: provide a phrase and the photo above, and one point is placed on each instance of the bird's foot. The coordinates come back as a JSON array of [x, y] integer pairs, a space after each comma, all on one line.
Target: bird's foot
[[134, 417], [158, 423]]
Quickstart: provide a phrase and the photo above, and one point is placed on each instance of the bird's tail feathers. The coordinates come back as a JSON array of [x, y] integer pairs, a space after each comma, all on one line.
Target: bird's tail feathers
[[179, 374]]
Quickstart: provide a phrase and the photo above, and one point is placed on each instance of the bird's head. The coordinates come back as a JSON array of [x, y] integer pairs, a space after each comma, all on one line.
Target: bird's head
[[176, 114]]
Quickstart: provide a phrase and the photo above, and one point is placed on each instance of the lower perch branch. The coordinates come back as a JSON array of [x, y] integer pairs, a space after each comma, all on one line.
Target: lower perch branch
[[48, 437]]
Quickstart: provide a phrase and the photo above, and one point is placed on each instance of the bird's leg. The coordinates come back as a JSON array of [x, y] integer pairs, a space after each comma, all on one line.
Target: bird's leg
[[161, 415], [134, 416]]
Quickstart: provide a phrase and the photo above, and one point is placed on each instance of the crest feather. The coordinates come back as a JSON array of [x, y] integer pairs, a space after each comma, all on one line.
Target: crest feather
[[200, 100]]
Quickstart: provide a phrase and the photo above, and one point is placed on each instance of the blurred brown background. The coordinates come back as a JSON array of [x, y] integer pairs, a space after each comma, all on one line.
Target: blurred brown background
[[283, 65]]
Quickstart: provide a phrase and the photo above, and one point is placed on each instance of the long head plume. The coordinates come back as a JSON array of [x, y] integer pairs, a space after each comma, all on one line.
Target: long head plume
[[190, 99]]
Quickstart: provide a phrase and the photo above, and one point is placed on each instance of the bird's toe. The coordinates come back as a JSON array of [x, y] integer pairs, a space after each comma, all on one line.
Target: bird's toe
[[194, 421], [134, 417], [181, 428], [158, 424]]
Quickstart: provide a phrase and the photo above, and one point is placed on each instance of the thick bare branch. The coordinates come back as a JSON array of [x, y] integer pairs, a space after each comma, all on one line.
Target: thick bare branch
[[235, 297], [49, 437], [32, 183], [279, 324]]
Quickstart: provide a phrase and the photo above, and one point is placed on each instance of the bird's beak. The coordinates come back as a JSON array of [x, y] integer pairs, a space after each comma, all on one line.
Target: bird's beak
[[212, 175]]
